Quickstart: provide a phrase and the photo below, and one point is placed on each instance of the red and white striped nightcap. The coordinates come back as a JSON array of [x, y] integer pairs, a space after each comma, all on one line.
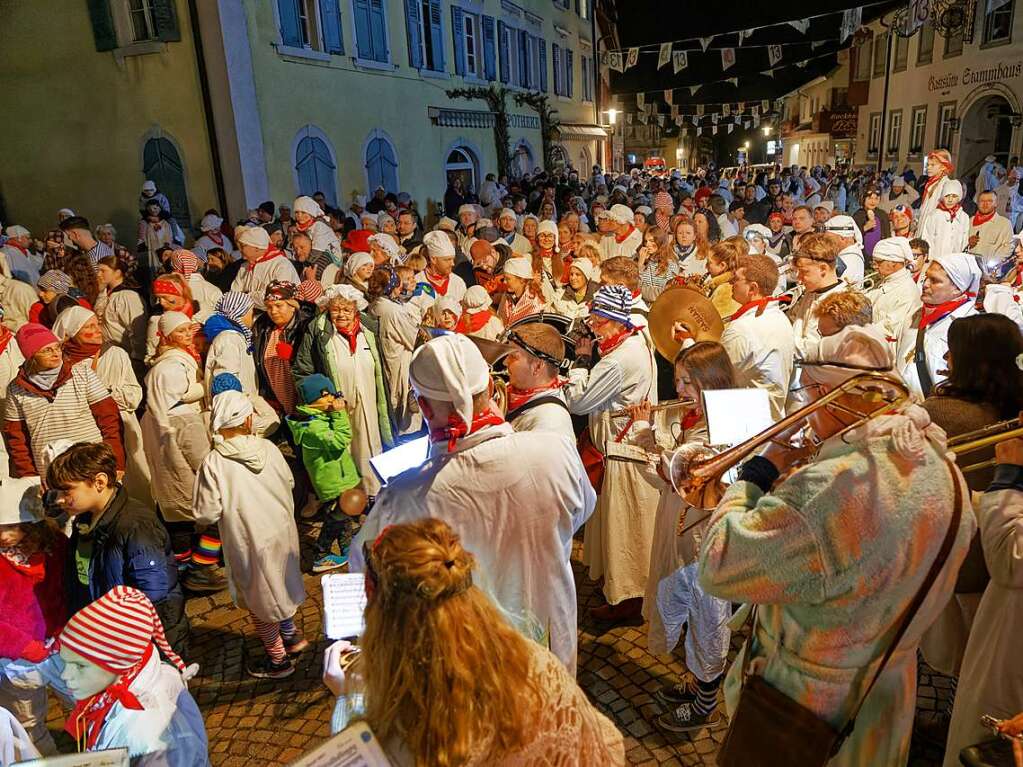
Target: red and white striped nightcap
[[114, 631]]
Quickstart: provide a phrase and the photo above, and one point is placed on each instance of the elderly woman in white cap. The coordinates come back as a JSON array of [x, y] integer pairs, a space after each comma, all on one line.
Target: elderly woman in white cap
[[81, 338], [835, 579], [440, 252], [386, 250], [895, 297], [574, 299], [507, 227], [398, 325], [624, 238], [337, 345], [476, 318], [524, 296], [211, 237], [468, 217], [174, 432], [517, 518], [264, 264], [950, 290], [947, 228], [310, 219], [446, 313]]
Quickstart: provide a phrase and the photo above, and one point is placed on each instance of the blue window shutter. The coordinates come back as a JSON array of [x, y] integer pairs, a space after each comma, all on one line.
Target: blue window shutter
[[363, 29], [502, 48], [290, 32], [543, 63], [381, 165], [414, 35], [524, 59], [489, 48], [437, 35], [378, 29], [457, 30], [330, 15], [568, 73], [556, 62]]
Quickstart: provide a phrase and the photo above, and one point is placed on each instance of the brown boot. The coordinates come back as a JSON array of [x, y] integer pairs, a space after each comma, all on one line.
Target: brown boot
[[626, 610]]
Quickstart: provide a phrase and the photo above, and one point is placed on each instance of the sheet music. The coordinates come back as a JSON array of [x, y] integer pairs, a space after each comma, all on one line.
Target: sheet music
[[344, 602], [113, 757], [355, 746]]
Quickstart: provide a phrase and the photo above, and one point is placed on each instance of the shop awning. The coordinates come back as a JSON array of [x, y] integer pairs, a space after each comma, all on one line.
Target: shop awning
[[581, 131]]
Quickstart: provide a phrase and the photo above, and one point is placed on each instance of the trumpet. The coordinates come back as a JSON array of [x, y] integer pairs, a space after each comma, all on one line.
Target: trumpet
[[979, 439], [872, 388], [668, 404]]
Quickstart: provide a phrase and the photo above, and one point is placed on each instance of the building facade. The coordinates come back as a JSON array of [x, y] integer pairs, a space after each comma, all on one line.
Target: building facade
[[962, 92], [815, 123], [232, 102]]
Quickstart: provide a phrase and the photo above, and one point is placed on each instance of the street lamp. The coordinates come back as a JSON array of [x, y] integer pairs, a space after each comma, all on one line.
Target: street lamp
[[612, 116], [767, 130]]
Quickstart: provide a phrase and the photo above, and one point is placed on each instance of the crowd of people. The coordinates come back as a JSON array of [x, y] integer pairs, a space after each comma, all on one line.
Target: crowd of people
[[174, 406]]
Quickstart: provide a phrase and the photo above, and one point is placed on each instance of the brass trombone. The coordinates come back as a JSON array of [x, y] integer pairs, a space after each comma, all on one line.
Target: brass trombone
[[704, 476], [979, 439]]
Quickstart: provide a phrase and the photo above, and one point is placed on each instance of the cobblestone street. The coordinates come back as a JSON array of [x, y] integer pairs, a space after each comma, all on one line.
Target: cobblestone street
[[255, 722]]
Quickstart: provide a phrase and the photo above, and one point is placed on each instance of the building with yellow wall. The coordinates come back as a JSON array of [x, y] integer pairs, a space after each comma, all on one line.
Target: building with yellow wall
[[232, 102]]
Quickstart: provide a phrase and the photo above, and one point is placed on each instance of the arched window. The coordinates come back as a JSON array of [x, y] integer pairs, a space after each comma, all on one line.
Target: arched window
[[522, 159], [559, 157], [462, 163], [315, 168], [161, 164], [381, 163]]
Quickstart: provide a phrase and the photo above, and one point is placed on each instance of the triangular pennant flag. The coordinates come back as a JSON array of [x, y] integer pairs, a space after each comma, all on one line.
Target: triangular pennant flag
[[746, 125], [669, 94], [726, 109], [696, 120], [742, 105], [742, 34], [817, 44], [616, 61], [628, 118], [769, 73], [774, 53], [664, 55], [633, 58], [801, 64], [756, 122], [755, 109], [641, 100], [733, 80], [699, 131], [738, 119], [678, 121], [675, 111], [660, 119], [714, 118], [679, 61], [699, 109], [765, 106], [714, 129], [705, 41], [693, 89], [727, 58], [642, 118], [851, 21], [801, 24], [730, 127]]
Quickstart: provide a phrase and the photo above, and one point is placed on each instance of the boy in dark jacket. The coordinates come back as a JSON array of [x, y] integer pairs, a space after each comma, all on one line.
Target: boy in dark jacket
[[116, 540], [323, 433]]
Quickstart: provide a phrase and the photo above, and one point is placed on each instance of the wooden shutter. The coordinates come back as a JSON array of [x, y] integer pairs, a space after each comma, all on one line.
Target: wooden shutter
[[569, 74], [437, 35], [543, 63], [363, 29], [291, 32], [165, 20], [502, 50], [330, 16], [103, 32], [524, 78], [556, 63], [489, 48], [378, 30], [458, 31], [414, 35]]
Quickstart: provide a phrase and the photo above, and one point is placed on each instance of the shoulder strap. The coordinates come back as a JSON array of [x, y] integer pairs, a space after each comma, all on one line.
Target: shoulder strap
[[545, 400], [921, 594], [920, 360]]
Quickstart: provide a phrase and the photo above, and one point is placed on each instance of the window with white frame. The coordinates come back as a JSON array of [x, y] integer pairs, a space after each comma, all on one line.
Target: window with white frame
[[140, 13], [311, 24], [586, 67], [563, 70], [925, 44], [894, 131], [471, 39], [423, 23], [475, 42], [125, 23], [918, 127], [874, 136], [998, 24], [946, 113]]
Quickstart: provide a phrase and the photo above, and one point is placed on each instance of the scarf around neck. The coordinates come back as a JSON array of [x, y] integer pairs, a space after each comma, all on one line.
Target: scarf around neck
[[931, 314], [86, 720], [456, 427], [351, 334], [951, 211]]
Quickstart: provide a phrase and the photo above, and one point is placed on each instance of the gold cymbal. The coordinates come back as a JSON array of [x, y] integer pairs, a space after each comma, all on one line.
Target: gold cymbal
[[690, 307]]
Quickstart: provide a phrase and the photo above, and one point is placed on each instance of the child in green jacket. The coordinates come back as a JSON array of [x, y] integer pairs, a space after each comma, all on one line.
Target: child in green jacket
[[323, 432]]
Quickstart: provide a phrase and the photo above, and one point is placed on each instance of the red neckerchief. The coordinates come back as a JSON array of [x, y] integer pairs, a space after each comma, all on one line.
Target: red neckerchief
[[5, 337], [307, 225], [456, 428], [77, 351], [759, 305], [13, 244], [157, 226], [622, 238], [519, 397], [931, 182], [905, 233], [951, 211], [440, 286], [1016, 283], [931, 314], [270, 254], [492, 283], [471, 322], [691, 418], [352, 334], [87, 717], [608, 345], [979, 219], [217, 238]]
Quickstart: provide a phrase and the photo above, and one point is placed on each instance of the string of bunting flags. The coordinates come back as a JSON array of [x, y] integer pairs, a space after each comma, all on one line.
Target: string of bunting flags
[[622, 59]]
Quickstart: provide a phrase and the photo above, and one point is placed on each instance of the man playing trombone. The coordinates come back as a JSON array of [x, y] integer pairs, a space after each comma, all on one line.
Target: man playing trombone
[[844, 558]]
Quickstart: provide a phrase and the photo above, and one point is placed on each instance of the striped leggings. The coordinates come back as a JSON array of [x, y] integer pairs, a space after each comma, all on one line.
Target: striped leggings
[[272, 635]]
